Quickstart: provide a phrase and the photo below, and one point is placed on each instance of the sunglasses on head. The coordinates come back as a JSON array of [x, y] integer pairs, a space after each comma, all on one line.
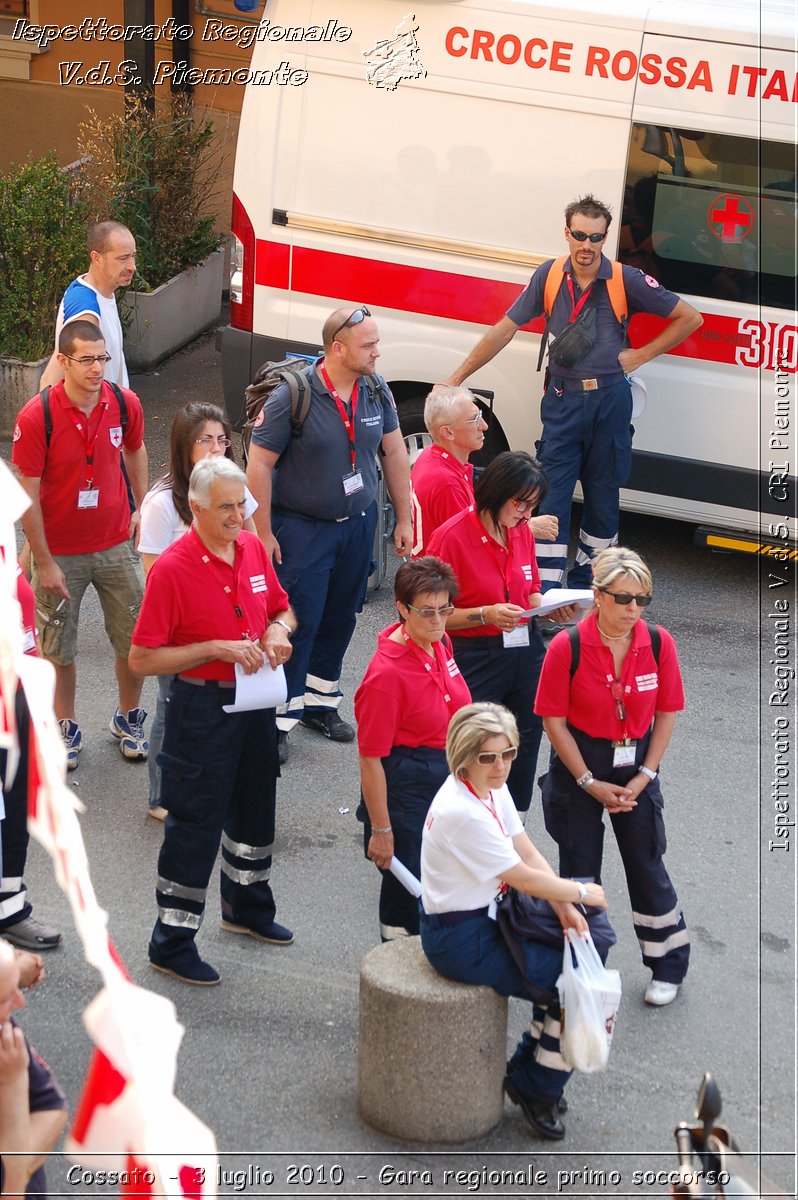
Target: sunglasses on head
[[356, 318], [488, 758], [578, 236], [627, 598]]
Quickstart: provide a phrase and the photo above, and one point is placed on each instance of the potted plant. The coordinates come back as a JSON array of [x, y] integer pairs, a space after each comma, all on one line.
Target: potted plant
[[42, 247], [157, 172]]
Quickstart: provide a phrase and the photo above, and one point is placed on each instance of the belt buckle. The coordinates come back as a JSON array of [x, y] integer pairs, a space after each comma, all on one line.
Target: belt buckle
[[590, 385]]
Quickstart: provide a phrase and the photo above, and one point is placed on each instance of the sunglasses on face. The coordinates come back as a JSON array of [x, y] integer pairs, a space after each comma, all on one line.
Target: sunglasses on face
[[356, 318], [523, 506], [578, 236], [429, 614], [489, 757], [627, 598]]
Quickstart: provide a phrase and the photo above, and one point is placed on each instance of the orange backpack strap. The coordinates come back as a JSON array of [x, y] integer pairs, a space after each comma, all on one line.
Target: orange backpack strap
[[617, 294], [553, 284]]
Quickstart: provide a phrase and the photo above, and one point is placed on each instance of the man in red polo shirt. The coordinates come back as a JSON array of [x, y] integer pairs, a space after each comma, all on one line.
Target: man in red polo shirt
[[80, 526], [442, 479], [213, 606]]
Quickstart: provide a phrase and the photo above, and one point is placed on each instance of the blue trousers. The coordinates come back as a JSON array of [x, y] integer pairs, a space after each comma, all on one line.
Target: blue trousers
[[587, 436], [219, 773], [575, 821], [325, 570], [508, 676], [475, 952], [14, 904], [413, 776], [156, 741]]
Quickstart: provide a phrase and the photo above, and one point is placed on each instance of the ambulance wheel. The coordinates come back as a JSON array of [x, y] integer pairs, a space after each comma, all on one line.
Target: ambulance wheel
[[414, 431]]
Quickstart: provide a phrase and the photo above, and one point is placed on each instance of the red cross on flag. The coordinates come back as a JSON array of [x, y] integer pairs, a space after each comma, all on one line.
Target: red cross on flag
[[730, 217]]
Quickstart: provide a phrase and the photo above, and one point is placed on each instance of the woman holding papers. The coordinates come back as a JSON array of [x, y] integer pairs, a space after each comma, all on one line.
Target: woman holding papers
[[498, 648], [473, 844], [198, 431], [609, 693], [410, 691]]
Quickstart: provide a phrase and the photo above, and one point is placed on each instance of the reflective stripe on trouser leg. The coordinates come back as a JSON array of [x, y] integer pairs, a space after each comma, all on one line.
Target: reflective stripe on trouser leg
[[288, 714], [552, 559], [664, 943], [588, 547], [322, 693], [248, 837], [179, 907]]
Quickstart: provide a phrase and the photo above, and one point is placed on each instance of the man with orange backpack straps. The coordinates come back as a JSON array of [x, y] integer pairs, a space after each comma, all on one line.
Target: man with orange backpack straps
[[587, 405]]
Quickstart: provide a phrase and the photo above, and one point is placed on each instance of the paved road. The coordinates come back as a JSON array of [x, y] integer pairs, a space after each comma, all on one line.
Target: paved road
[[269, 1058]]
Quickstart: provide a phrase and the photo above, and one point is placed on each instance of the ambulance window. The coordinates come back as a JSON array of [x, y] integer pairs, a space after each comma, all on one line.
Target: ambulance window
[[711, 215]]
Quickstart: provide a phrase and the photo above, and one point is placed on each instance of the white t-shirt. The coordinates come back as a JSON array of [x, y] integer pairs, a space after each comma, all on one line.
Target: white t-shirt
[[465, 849], [81, 298], [160, 521]]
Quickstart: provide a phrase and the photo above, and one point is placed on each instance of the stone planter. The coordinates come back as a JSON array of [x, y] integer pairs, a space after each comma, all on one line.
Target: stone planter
[[18, 382], [160, 322]]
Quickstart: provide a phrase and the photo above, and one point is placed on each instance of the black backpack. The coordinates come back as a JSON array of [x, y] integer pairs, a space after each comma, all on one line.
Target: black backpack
[[576, 645]]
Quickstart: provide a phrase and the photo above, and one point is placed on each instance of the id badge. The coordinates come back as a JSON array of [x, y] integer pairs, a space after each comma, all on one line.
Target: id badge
[[623, 754], [353, 483], [516, 637], [88, 498]]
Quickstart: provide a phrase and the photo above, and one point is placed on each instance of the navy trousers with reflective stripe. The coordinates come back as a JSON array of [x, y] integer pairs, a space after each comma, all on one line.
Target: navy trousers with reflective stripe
[[575, 821], [219, 773], [413, 776], [587, 436], [325, 570], [508, 676]]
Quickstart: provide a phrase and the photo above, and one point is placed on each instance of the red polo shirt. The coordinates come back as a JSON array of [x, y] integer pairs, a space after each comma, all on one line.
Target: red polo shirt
[[191, 596], [440, 487], [407, 698], [586, 701], [487, 572], [63, 469]]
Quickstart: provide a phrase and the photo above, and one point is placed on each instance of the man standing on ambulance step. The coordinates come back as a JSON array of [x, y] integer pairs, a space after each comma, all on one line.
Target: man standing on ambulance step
[[317, 509], [587, 406]]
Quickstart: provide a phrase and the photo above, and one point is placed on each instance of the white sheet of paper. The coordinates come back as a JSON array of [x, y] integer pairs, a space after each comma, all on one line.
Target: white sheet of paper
[[558, 598], [265, 689], [405, 877]]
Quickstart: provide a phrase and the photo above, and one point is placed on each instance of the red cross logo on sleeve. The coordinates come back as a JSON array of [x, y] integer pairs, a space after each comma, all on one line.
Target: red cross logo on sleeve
[[730, 217]]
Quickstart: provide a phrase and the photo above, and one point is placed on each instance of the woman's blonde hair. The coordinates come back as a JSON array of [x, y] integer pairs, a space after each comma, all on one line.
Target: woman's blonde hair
[[615, 561], [473, 725]]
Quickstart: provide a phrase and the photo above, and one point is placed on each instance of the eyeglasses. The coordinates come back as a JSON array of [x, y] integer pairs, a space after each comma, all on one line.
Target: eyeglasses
[[578, 236], [428, 614], [357, 318], [488, 758], [88, 360], [209, 440], [473, 420], [627, 598], [523, 506]]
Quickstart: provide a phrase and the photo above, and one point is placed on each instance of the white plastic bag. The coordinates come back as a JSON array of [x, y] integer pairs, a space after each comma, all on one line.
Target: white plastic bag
[[590, 996]]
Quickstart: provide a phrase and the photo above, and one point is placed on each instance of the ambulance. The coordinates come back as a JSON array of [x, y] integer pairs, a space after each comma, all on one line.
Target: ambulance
[[416, 157]]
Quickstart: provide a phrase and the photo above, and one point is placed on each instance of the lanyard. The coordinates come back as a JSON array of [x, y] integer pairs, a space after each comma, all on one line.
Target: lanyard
[[503, 557], [617, 691], [488, 804], [83, 426], [440, 676], [349, 422], [229, 588], [577, 305]]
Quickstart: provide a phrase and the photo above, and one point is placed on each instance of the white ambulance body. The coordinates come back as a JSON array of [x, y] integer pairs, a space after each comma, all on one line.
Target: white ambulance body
[[430, 191]]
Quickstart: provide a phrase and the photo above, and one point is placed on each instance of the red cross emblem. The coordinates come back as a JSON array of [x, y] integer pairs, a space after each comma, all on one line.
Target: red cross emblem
[[730, 217]]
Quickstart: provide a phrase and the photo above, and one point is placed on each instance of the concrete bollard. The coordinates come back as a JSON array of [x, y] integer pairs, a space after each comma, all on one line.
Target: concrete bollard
[[432, 1053]]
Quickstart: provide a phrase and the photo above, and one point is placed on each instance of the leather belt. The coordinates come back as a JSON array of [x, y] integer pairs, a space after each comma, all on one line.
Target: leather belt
[[454, 918], [590, 385], [195, 682]]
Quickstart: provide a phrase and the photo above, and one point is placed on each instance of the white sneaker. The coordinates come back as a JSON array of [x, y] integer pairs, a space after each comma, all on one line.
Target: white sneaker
[[659, 992]]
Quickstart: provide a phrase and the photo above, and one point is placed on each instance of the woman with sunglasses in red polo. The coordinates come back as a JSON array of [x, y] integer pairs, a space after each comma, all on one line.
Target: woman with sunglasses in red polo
[[609, 693]]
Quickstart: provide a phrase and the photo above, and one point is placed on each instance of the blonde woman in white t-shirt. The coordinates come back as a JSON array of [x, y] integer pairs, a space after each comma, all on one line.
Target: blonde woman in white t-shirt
[[198, 431], [473, 844]]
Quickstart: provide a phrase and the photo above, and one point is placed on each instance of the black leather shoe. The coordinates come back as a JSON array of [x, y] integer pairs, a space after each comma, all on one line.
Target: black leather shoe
[[542, 1116], [330, 724]]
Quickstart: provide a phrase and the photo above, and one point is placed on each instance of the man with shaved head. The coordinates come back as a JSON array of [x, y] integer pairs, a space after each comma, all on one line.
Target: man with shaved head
[[317, 509]]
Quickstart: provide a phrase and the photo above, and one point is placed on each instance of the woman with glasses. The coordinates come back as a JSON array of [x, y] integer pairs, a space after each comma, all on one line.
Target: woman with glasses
[[609, 693], [198, 431], [491, 550], [411, 690], [473, 845]]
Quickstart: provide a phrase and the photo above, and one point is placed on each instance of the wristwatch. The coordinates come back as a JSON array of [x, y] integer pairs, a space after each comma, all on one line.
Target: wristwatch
[[647, 771], [585, 780], [582, 892], [285, 626]]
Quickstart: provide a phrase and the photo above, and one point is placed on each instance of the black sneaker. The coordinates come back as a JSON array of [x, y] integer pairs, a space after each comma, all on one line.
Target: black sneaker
[[330, 724], [282, 747]]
